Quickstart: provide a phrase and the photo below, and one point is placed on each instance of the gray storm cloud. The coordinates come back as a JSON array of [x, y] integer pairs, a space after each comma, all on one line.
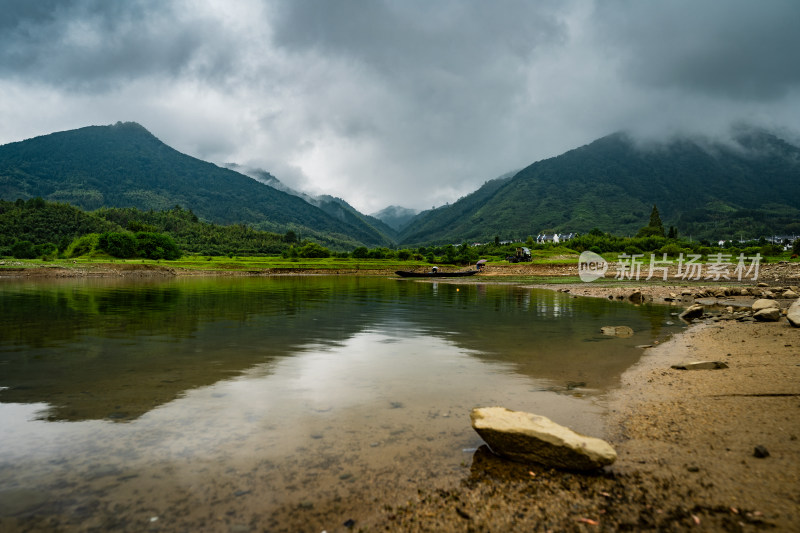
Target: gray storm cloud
[[735, 49], [395, 102]]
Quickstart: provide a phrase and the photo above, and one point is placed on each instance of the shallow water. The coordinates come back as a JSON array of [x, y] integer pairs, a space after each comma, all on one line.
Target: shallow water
[[276, 403]]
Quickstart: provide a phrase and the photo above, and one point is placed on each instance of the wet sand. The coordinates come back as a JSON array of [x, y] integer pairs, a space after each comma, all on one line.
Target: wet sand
[[686, 442]]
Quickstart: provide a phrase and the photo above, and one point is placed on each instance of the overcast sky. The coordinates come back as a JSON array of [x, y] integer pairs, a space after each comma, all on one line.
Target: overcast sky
[[406, 102]]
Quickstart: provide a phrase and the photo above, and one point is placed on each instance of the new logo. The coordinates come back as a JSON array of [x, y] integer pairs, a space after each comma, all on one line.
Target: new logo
[[591, 266]]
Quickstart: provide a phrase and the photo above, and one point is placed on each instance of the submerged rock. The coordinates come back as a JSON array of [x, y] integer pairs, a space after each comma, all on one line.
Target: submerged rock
[[692, 312], [700, 365], [617, 331], [529, 438], [794, 314], [770, 314]]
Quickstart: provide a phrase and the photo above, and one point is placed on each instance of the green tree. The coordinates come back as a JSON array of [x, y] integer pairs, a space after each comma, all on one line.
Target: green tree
[[23, 250], [655, 228], [117, 244], [360, 253], [156, 246], [313, 249], [290, 237], [655, 218]]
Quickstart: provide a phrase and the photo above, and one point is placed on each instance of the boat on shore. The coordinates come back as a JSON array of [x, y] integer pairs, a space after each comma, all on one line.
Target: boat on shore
[[435, 274]]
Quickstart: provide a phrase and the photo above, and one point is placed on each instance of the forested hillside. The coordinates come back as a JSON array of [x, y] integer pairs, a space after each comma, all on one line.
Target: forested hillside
[[125, 166], [746, 188], [454, 223], [54, 227]]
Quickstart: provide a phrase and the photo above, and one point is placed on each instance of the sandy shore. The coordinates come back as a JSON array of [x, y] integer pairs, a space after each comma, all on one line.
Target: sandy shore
[[686, 439], [686, 442]]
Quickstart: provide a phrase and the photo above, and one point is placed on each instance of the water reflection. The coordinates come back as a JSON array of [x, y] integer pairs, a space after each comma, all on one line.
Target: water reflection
[[100, 349], [276, 401]]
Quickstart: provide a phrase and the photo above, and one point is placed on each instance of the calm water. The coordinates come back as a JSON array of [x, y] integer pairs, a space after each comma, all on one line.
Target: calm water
[[270, 403]]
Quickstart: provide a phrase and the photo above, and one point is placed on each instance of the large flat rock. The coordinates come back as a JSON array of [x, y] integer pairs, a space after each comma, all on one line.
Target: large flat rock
[[529, 438]]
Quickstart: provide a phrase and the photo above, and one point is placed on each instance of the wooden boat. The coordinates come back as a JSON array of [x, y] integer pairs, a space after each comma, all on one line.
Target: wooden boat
[[437, 274]]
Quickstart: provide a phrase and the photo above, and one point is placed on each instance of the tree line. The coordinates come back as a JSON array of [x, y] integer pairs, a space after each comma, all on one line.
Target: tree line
[[35, 228]]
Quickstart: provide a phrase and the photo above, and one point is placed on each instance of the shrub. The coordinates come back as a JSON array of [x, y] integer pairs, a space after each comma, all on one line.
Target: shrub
[[630, 250], [23, 250], [360, 253], [672, 250], [46, 250], [121, 245], [313, 249], [82, 245], [156, 246]]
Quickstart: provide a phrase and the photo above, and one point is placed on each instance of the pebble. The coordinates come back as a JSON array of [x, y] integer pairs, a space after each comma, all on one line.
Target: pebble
[[760, 452]]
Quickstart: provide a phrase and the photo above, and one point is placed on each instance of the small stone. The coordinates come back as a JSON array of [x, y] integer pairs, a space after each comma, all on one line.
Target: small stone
[[636, 297], [701, 365], [790, 294], [692, 312], [764, 303], [760, 452], [771, 314]]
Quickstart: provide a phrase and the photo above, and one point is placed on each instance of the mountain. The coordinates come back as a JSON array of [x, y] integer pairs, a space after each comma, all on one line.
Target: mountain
[[124, 165], [452, 223], [396, 217], [335, 207], [748, 186], [341, 210]]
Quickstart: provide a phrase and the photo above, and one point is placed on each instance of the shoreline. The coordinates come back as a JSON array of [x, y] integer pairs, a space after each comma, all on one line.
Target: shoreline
[[685, 439]]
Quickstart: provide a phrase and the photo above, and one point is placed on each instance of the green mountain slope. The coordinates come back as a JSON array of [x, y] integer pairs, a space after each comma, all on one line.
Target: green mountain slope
[[125, 166], [342, 211], [750, 187], [453, 223]]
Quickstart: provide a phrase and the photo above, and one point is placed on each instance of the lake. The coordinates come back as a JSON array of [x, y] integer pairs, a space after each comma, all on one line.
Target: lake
[[278, 403]]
